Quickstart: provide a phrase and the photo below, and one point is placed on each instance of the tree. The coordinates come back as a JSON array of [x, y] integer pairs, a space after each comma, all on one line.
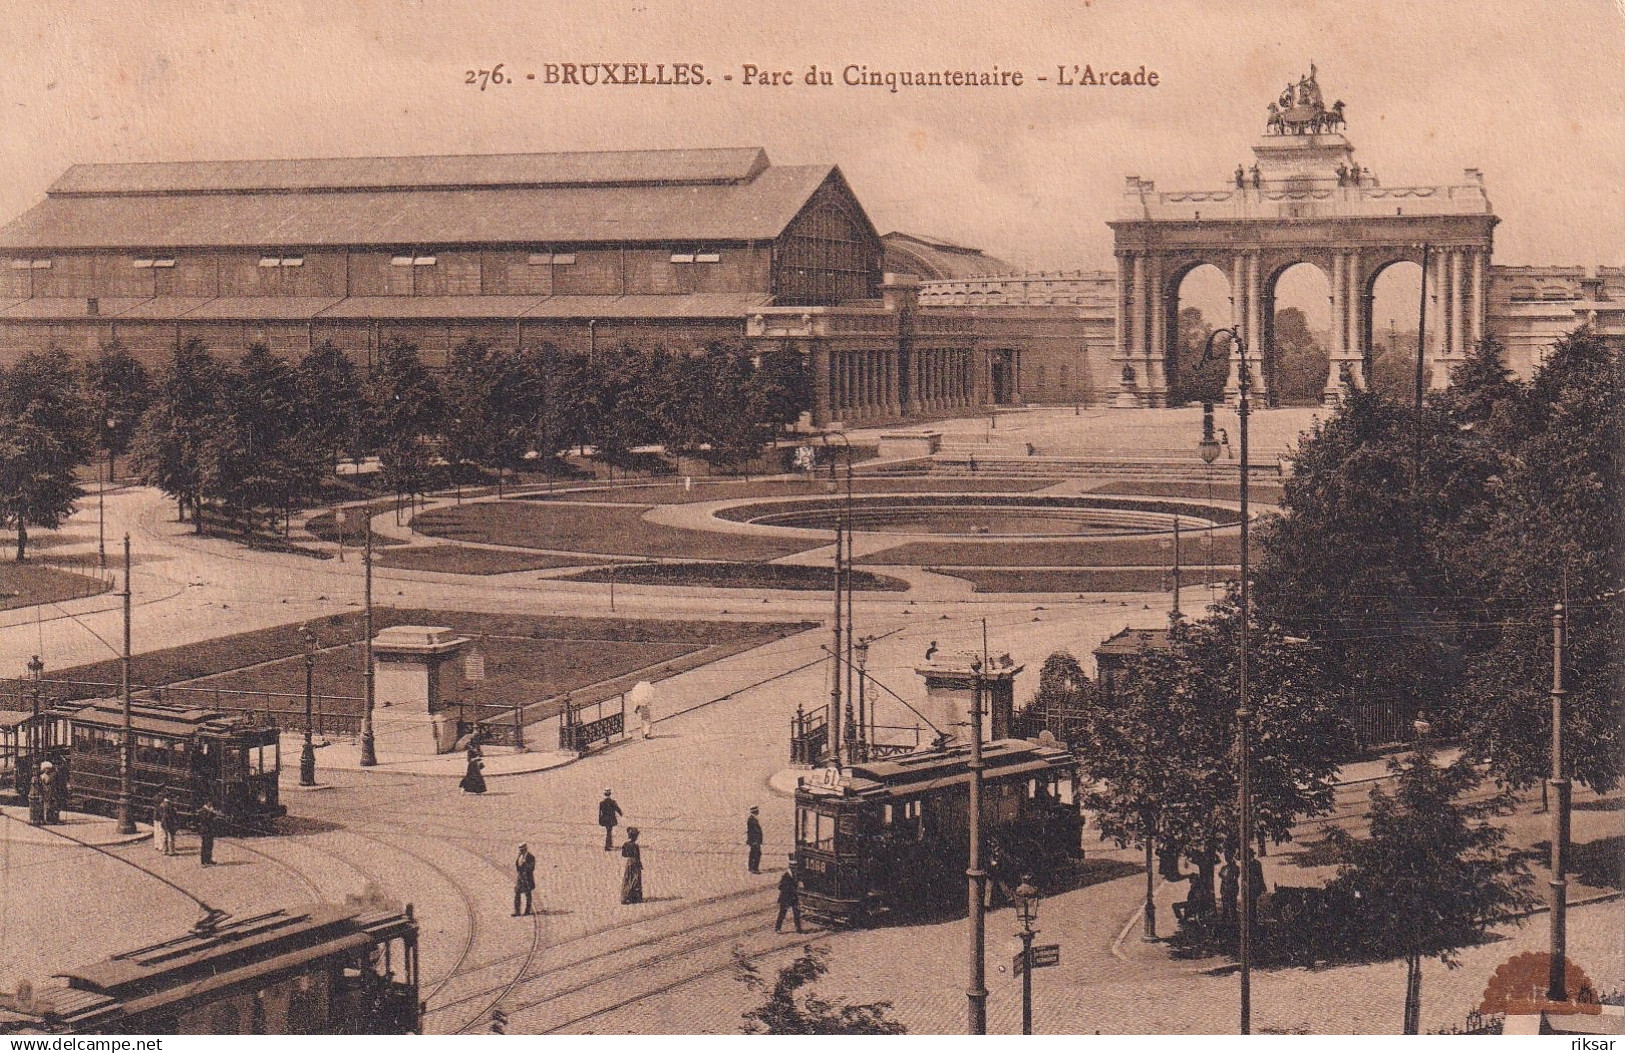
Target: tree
[[1357, 559], [1431, 876], [792, 1009], [44, 435], [1162, 757], [1194, 380], [475, 404], [118, 388], [169, 444], [572, 402], [407, 412], [258, 456], [333, 403], [1065, 702], [1300, 364], [1552, 532]]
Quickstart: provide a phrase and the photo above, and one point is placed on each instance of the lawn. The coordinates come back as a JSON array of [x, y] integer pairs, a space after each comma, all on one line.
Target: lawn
[[1097, 580], [737, 576], [617, 530], [529, 660], [461, 559], [28, 584], [1114, 552], [324, 526]]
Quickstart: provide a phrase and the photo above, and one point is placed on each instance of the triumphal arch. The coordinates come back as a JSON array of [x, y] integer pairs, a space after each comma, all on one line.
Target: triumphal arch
[[1304, 199]]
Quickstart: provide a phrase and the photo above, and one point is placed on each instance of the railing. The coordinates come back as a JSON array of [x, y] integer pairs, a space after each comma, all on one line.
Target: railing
[[1476, 1023], [330, 714], [495, 725], [878, 750], [809, 736], [577, 734]]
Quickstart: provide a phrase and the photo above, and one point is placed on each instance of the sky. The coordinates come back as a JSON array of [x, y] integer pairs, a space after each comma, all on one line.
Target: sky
[[1527, 90]]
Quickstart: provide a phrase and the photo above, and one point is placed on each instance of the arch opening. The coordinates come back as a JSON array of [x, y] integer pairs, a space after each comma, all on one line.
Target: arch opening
[[1201, 303], [1392, 302], [1297, 337]]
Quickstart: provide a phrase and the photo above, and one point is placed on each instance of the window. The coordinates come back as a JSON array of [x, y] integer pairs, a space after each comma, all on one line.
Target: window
[[31, 265], [412, 261], [815, 829], [544, 259], [150, 262], [282, 261], [696, 257], [682, 257]]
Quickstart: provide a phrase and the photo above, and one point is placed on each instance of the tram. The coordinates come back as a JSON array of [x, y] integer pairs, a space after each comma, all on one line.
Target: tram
[[194, 755], [325, 970], [891, 836]]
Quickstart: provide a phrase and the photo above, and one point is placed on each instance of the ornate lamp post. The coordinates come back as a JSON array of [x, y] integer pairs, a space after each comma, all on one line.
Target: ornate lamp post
[[369, 752], [307, 754], [1027, 898], [126, 818], [101, 493], [864, 717], [36, 673], [1209, 448], [976, 877]]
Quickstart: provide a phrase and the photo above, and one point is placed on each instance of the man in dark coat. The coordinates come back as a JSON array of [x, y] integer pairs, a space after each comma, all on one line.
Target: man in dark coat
[[524, 882], [753, 840], [207, 820], [789, 896], [609, 814]]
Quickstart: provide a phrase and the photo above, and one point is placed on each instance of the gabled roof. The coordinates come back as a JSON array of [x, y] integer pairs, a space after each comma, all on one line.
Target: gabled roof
[[549, 199], [445, 172]]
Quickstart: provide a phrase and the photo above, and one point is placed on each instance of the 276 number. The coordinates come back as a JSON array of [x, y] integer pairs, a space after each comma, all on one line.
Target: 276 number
[[485, 77]]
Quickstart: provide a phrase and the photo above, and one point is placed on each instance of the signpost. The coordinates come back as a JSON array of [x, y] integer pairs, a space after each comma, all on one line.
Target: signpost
[[1044, 955]]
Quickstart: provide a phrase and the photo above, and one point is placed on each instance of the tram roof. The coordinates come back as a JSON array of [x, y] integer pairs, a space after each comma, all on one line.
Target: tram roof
[[933, 769], [238, 949], [157, 718]]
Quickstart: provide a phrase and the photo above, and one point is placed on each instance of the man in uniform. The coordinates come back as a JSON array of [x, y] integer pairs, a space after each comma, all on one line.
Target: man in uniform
[[524, 882], [753, 840], [206, 826], [609, 814], [789, 896]]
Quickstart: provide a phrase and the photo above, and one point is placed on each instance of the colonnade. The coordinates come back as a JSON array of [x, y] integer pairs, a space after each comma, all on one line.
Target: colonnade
[[873, 384], [864, 384], [1148, 303]]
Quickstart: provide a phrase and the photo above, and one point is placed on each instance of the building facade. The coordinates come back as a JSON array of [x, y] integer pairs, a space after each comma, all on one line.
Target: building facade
[[590, 252]]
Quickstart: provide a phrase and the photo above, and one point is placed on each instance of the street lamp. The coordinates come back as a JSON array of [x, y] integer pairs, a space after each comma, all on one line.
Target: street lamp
[[101, 494], [841, 723], [1209, 449], [1027, 898], [307, 754], [864, 717], [369, 751]]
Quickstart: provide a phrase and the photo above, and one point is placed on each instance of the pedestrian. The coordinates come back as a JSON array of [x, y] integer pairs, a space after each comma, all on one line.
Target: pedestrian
[[643, 697], [524, 882], [1229, 891], [171, 825], [52, 796], [474, 777], [632, 879], [609, 814], [206, 820], [753, 839], [160, 821], [789, 896]]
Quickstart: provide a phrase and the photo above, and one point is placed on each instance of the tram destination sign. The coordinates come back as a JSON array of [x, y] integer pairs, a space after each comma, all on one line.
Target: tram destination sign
[[1045, 954]]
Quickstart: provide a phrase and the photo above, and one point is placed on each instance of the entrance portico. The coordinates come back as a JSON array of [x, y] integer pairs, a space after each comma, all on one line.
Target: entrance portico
[[1304, 200]]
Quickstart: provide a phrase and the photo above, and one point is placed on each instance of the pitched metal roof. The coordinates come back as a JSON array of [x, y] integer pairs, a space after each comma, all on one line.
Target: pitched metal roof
[[606, 167], [421, 213]]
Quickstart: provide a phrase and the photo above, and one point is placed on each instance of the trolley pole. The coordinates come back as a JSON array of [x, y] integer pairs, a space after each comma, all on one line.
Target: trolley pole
[[307, 754], [369, 753], [976, 877], [126, 821], [1557, 987], [834, 723]]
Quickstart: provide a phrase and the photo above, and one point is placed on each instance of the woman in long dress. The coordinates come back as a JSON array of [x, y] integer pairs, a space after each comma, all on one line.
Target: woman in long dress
[[632, 880], [474, 780]]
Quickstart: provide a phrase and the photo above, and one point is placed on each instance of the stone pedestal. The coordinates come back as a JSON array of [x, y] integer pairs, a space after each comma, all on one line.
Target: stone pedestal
[[406, 679], [903, 445], [950, 688]]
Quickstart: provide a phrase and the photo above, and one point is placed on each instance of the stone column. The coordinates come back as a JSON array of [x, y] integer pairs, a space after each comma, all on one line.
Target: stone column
[[1139, 335], [1255, 332], [1438, 323], [1456, 329], [1354, 301], [1333, 391], [822, 382], [1238, 294], [1477, 315]]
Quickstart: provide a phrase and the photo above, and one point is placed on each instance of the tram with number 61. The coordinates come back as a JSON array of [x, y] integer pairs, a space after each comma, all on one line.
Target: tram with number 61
[[891, 837]]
